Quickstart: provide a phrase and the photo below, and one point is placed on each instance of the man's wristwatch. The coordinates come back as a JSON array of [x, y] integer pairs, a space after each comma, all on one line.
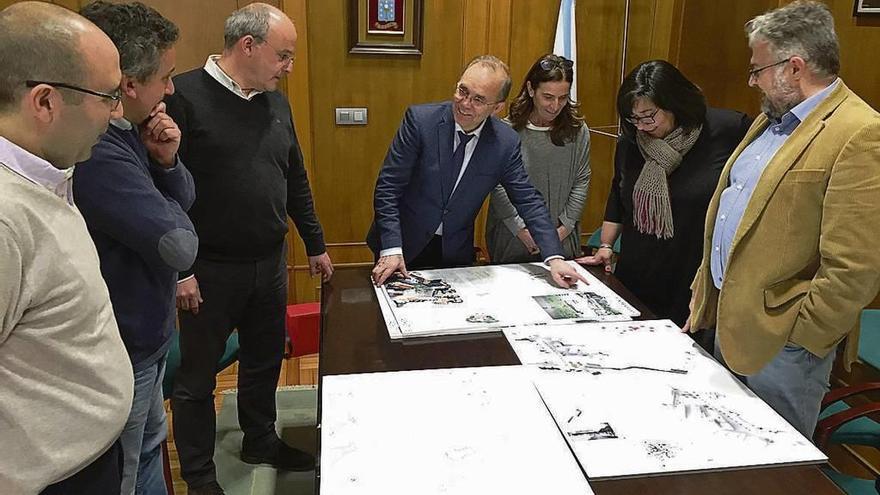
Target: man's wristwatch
[[605, 245]]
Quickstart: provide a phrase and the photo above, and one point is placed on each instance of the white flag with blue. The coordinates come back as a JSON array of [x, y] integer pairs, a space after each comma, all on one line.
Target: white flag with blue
[[565, 44]]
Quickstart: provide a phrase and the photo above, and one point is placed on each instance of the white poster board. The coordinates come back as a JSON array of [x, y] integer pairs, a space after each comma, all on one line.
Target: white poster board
[[457, 431], [640, 398]]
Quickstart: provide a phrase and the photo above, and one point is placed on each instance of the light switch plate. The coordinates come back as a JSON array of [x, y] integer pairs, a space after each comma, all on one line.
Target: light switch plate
[[351, 116]]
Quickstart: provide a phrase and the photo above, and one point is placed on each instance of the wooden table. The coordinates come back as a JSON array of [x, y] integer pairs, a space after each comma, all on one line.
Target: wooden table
[[354, 340]]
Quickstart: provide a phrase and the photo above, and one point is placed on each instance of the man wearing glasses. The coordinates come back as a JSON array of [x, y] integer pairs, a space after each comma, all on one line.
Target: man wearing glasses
[[239, 142], [133, 194], [446, 158], [65, 378], [790, 256]]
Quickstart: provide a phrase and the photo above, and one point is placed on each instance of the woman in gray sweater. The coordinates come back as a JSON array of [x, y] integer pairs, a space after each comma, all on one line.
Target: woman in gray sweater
[[556, 155]]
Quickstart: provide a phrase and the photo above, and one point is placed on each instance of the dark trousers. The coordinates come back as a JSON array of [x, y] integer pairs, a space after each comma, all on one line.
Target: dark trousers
[[252, 298], [103, 476], [430, 257]]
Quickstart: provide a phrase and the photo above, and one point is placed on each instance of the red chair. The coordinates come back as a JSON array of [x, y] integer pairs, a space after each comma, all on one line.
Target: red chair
[[304, 328]]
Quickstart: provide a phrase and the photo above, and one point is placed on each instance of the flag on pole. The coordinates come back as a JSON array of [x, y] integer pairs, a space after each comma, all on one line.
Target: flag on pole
[[565, 43]]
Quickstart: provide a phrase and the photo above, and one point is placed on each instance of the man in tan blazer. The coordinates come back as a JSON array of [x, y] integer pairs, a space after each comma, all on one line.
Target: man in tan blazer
[[791, 253]]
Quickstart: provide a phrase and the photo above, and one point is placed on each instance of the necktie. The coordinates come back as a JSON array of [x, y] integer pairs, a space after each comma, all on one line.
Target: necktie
[[458, 159]]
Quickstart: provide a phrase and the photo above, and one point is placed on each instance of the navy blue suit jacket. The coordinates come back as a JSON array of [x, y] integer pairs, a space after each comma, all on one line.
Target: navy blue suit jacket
[[411, 194]]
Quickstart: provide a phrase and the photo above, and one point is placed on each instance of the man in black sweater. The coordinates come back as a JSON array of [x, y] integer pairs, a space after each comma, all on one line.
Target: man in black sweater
[[240, 145]]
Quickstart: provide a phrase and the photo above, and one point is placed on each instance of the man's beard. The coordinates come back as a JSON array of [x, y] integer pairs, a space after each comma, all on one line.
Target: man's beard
[[786, 98]]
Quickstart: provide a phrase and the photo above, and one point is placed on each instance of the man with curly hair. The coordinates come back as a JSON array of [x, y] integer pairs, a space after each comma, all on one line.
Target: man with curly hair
[[133, 194]]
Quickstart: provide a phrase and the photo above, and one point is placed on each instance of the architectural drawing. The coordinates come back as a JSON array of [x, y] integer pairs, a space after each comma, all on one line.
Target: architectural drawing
[[710, 407], [457, 431], [486, 298], [594, 348], [641, 422]]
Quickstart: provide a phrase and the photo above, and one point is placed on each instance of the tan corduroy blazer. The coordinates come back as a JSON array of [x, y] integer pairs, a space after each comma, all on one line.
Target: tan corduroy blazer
[[805, 258]]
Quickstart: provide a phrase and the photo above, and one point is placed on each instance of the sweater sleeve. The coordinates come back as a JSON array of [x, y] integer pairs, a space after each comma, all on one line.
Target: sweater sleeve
[[300, 206], [501, 207], [574, 205], [118, 197], [175, 182]]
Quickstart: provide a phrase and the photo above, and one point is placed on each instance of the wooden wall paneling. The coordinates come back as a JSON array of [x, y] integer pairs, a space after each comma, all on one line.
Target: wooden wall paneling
[[201, 28], [500, 28], [475, 32], [859, 39], [714, 52], [532, 30], [719, 66]]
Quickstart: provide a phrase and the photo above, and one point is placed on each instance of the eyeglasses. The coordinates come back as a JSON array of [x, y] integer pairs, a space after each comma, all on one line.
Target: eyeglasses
[[550, 64], [753, 73], [114, 98], [284, 56], [476, 100], [643, 119]]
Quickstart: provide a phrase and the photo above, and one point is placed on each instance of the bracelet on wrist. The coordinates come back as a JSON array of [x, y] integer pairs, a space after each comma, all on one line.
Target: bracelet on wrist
[[606, 246]]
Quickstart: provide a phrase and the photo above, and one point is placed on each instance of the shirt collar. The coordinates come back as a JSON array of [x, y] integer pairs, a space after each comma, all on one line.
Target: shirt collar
[[534, 127], [803, 109], [476, 132], [214, 70], [122, 123], [36, 169]]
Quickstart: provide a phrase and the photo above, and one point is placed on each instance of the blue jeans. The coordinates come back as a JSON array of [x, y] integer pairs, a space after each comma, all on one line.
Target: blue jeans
[[143, 435], [793, 384]]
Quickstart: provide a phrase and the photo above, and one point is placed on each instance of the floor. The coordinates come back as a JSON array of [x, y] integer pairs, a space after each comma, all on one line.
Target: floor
[[295, 371]]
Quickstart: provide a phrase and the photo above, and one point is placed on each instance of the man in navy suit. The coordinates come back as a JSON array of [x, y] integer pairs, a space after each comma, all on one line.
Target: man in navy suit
[[446, 158]]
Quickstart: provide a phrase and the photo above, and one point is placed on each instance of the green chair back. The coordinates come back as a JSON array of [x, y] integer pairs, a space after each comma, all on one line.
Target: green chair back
[[230, 355], [595, 239]]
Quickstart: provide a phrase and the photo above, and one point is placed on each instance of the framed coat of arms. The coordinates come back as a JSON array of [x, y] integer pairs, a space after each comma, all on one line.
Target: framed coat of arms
[[866, 7], [386, 27]]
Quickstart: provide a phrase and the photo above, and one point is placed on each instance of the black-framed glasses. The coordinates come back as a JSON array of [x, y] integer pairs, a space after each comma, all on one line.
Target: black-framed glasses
[[561, 62], [476, 100], [114, 98], [753, 73], [643, 119]]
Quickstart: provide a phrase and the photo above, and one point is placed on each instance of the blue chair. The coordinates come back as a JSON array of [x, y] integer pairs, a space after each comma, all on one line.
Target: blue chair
[[869, 338], [842, 423]]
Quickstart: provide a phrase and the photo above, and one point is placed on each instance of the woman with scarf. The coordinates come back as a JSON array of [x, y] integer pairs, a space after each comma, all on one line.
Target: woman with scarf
[[666, 168], [556, 155]]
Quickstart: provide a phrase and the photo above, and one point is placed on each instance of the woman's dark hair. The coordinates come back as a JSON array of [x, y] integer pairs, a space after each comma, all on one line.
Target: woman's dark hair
[[548, 68], [665, 85]]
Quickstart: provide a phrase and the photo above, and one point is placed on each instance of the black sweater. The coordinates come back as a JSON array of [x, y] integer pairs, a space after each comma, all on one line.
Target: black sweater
[[660, 271], [248, 170]]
